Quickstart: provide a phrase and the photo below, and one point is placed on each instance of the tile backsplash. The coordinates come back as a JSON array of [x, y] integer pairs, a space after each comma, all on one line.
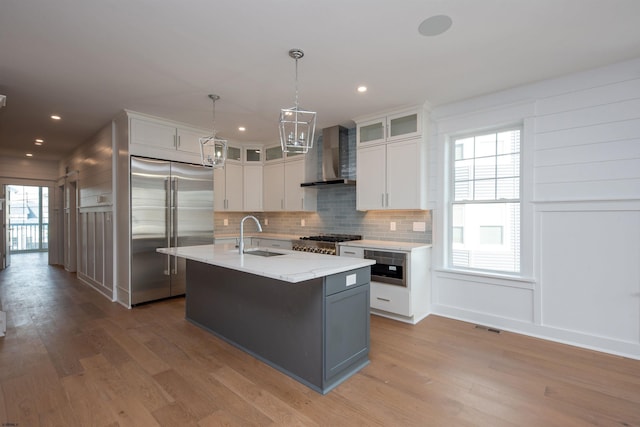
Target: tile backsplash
[[336, 213]]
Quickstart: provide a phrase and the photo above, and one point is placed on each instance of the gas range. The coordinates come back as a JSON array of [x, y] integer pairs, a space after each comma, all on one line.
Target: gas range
[[324, 243]]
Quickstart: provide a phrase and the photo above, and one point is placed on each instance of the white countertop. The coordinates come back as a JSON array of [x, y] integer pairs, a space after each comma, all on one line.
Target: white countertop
[[386, 245], [294, 266]]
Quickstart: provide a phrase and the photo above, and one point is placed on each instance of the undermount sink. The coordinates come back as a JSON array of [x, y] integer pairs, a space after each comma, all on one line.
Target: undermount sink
[[260, 252]]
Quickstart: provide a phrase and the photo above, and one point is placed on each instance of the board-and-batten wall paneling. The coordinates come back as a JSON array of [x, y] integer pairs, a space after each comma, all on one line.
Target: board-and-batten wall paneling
[[581, 210], [93, 163]]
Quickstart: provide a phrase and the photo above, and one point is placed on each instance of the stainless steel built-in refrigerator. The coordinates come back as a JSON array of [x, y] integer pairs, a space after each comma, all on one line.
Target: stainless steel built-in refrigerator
[[171, 206]]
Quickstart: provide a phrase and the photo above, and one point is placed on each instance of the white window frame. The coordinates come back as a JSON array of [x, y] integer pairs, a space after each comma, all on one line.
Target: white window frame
[[450, 202]]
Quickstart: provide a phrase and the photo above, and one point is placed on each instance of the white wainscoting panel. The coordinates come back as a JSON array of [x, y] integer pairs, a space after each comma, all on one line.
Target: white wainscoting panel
[[590, 272], [480, 295]]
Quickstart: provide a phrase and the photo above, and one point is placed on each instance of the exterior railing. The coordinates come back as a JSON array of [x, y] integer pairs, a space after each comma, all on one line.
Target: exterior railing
[[29, 237]]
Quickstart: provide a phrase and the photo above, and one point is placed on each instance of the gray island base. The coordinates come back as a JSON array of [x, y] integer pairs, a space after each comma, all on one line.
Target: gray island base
[[316, 331]]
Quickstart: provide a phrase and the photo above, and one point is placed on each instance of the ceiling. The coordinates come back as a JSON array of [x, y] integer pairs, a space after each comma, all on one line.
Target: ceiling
[[87, 60]]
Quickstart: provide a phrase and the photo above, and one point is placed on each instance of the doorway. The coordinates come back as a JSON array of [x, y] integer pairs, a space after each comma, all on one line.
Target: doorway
[[26, 218]]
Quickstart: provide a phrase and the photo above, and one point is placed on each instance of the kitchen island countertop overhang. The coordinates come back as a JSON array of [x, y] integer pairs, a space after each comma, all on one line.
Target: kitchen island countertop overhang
[[293, 266]]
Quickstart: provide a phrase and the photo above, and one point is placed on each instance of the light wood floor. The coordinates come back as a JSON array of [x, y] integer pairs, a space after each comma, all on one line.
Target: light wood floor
[[72, 358]]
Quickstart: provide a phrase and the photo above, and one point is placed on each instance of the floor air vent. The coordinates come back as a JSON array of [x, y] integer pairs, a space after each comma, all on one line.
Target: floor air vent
[[488, 328]]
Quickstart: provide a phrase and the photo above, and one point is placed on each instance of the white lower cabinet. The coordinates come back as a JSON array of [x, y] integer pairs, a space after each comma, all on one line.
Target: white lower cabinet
[[392, 299], [392, 176], [410, 303]]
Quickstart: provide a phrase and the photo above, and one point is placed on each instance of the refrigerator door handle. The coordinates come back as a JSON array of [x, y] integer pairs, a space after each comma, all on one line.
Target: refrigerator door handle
[[167, 262], [174, 222]]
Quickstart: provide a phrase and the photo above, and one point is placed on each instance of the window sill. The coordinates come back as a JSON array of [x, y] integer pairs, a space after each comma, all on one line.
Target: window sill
[[494, 278]]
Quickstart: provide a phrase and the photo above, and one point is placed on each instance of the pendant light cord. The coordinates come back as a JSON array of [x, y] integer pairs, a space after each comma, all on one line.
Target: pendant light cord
[[214, 98], [296, 83]]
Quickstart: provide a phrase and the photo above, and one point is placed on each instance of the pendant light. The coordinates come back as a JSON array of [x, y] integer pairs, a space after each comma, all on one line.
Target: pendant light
[[213, 151], [297, 126]]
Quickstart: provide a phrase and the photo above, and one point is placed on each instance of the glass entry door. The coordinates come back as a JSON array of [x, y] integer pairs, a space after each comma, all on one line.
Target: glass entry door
[[28, 218]]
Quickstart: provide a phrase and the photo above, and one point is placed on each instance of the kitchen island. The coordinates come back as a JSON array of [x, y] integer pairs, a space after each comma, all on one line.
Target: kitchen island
[[305, 314]]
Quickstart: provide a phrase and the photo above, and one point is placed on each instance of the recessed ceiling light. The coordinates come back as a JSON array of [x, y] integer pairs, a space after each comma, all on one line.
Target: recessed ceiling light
[[55, 117], [435, 25], [362, 89], [29, 155], [39, 141], [242, 128]]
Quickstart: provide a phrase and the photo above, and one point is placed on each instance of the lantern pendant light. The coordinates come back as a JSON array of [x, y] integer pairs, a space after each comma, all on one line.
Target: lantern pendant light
[[213, 150], [297, 126]]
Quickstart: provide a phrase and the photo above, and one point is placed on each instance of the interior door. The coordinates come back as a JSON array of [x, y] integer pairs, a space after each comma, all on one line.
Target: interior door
[[191, 215]]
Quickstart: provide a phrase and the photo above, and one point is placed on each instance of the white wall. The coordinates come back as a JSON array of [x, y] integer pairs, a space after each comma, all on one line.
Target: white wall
[[91, 165], [581, 211]]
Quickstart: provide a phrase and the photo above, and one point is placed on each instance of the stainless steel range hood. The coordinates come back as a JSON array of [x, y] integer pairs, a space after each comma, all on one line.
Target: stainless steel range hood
[[335, 145]]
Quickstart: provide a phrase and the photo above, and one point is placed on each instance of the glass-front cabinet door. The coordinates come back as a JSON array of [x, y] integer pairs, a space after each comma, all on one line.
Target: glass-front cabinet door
[[372, 131], [273, 153], [234, 153], [403, 125], [253, 154]]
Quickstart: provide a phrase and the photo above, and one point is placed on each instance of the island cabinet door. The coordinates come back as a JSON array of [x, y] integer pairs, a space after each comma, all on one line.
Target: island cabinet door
[[347, 330]]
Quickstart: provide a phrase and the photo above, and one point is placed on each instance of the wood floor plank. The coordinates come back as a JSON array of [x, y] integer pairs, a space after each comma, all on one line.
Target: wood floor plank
[[175, 414], [278, 411], [19, 401], [136, 350], [197, 403]]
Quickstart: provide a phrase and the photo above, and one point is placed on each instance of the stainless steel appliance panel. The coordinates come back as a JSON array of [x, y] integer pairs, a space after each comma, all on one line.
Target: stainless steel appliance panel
[[150, 270], [390, 267], [171, 206], [191, 215]]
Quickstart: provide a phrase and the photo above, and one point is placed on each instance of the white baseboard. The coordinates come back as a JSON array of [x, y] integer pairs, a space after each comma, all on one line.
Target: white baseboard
[[574, 338]]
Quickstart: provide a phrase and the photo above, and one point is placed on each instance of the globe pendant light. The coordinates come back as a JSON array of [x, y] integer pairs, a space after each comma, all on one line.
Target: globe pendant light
[[213, 151], [297, 126]]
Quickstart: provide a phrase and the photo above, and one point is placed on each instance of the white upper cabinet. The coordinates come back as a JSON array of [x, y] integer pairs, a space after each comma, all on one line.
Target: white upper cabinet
[[392, 176], [297, 198], [228, 187], [160, 135], [392, 161], [273, 193], [282, 191], [189, 140], [253, 155], [234, 154], [273, 154], [371, 180], [252, 187], [390, 127]]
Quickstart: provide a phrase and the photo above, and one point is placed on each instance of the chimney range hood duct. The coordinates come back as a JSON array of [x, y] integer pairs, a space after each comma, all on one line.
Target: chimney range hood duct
[[335, 144]]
